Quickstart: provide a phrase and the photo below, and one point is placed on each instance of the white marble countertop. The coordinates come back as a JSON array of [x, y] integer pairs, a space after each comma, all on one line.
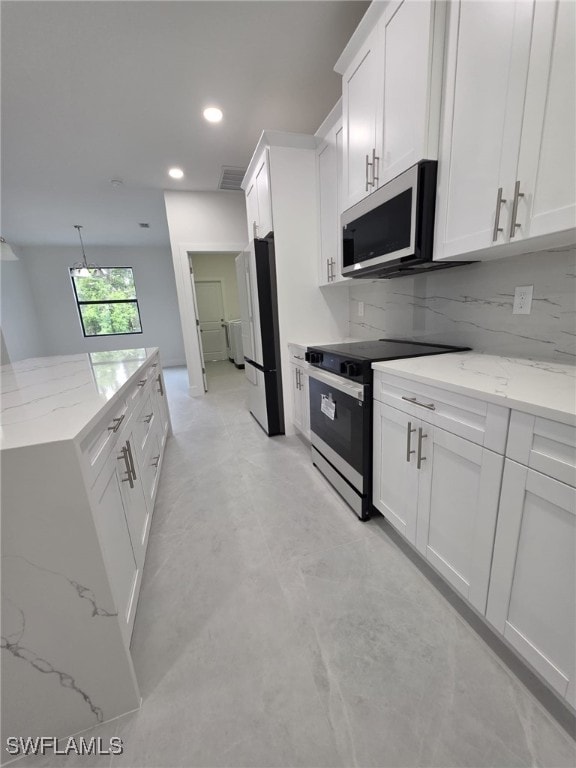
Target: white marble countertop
[[537, 387], [48, 399]]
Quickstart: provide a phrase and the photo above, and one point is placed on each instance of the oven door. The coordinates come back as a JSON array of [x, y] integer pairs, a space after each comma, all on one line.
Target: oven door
[[340, 425]]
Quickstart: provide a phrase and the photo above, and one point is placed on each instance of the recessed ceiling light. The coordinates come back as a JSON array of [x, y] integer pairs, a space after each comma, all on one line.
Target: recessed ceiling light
[[213, 114], [176, 173]]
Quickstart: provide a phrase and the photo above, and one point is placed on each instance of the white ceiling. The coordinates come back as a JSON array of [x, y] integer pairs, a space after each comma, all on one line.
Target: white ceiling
[[97, 90]]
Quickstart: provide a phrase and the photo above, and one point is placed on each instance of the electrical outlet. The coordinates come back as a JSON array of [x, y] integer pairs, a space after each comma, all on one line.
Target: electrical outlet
[[360, 309], [523, 300]]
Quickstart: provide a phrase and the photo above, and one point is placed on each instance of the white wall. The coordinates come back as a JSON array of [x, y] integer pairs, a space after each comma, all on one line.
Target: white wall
[[200, 221], [472, 306], [206, 217], [21, 332], [49, 276], [219, 266]]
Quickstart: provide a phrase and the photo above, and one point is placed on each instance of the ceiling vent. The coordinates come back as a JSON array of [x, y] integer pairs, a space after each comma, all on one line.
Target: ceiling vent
[[231, 178]]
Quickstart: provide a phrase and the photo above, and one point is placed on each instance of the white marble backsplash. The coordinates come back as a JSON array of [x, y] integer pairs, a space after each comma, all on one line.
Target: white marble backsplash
[[472, 306]]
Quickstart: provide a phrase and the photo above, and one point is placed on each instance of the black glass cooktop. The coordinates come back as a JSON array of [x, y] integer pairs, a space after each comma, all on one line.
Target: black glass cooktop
[[353, 359], [385, 349]]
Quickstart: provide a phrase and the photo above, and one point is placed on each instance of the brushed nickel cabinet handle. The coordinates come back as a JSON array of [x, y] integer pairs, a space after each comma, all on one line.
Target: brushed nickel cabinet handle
[[327, 270], [332, 265], [142, 383], [368, 165], [148, 418], [517, 196], [409, 431], [155, 461], [117, 421], [131, 459], [420, 458], [430, 406], [375, 161], [124, 456], [160, 385], [499, 201], [298, 357]]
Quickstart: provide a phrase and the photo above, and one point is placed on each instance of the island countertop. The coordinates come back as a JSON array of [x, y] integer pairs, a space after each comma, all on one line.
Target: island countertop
[[49, 399], [538, 387]]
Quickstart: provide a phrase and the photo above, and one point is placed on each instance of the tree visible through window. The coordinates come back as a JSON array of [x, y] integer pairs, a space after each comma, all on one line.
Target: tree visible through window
[[107, 304]]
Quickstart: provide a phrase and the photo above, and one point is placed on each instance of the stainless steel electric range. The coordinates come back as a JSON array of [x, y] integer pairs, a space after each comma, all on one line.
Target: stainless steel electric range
[[341, 410]]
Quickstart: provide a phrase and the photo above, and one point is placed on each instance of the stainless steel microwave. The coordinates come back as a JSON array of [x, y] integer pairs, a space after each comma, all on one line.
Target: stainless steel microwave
[[390, 233]]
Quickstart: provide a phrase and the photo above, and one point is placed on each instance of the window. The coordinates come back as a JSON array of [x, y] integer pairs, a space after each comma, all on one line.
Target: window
[[107, 305]]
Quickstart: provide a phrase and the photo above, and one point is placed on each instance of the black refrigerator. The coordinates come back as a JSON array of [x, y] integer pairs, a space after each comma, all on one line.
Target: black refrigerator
[[256, 274]]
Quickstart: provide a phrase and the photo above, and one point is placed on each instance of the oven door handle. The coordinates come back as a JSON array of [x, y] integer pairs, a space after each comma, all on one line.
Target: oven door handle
[[336, 382]]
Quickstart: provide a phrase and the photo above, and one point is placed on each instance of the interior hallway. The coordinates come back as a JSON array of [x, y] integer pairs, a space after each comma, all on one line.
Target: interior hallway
[[275, 629]]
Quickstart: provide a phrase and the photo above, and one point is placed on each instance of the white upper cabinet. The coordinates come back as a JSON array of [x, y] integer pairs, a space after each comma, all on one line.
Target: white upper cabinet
[[258, 200], [547, 163], [391, 88], [329, 174], [506, 169], [411, 38], [360, 94]]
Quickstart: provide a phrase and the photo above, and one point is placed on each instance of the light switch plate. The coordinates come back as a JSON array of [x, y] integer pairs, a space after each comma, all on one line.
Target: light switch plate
[[360, 309], [523, 300]]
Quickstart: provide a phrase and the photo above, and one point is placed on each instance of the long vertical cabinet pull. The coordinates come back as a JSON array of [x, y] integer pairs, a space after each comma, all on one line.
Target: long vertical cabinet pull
[[409, 450], [375, 161], [420, 458], [369, 165], [333, 274], [160, 385], [131, 459], [499, 201], [517, 196], [124, 456]]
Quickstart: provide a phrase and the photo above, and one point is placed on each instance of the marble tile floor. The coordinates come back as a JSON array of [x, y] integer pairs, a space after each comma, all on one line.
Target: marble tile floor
[[275, 629]]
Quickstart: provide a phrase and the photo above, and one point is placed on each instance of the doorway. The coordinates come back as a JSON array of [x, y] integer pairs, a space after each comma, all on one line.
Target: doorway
[[215, 300], [211, 318]]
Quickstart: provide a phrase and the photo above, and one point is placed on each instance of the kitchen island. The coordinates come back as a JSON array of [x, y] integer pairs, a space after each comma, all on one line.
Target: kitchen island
[[82, 441]]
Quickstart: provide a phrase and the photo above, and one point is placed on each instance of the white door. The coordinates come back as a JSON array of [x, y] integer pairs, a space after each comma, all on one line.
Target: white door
[[532, 599], [547, 164], [198, 334], [487, 66], [297, 399], [252, 213], [458, 490], [245, 302], [328, 194], [211, 317], [265, 225], [395, 478], [410, 85], [360, 109]]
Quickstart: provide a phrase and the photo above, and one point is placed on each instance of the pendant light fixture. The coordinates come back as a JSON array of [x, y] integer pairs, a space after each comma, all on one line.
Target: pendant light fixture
[[82, 268]]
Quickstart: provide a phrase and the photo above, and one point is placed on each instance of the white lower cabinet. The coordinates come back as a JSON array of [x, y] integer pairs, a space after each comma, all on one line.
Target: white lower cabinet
[[111, 521], [458, 490], [137, 510], [532, 599], [300, 400], [441, 492], [395, 478]]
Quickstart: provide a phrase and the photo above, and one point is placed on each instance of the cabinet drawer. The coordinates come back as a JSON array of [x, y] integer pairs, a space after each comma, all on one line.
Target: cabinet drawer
[[145, 421], [141, 384], [98, 444], [544, 445], [297, 355], [483, 423]]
